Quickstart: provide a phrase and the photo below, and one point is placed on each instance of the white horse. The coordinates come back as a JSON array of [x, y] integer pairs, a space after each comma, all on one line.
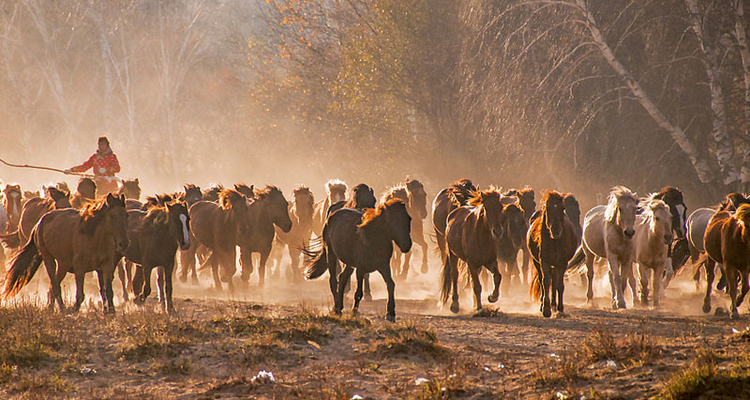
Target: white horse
[[607, 233], [653, 235]]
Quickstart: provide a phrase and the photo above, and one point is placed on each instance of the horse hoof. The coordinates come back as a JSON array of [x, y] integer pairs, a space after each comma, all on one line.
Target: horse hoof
[[547, 313], [355, 312], [390, 318], [183, 279], [337, 312], [706, 308], [425, 269], [492, 298], [734, 315], [368, 297], [454, 308], [560, 314]]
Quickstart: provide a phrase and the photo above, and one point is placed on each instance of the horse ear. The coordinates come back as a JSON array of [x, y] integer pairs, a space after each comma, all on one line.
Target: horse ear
[[372, 192], [122, 198], [136, 180], [252, 188]]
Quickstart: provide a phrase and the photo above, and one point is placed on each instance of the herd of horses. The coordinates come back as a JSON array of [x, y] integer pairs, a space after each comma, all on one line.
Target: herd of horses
[[477, 232]]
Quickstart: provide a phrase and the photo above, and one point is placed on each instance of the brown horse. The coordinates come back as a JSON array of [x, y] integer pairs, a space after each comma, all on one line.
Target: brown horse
[[213, 191], [335, 192], [511, 241], [11, 202], [552, 241], [154, 239], [413, 194], [525, 198], [74, 241], [362, 240], [471, 235], [727, 241], [268, 208], [221, 228], [301, 213], [85, 192], [32, 212], [131, 189], [191, 196], [447, 200]]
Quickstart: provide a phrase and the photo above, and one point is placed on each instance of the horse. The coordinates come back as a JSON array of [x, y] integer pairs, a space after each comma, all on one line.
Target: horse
[[362, 240], [28, 195], [73, 241], [512, 240], [212, 193], [413, 194], [221, 228], [335, 192], [155, 237], [459, 191], [301, 213], [525, 198], [727, 241], [471, 235], [11, 202], [268, 208], [32, 212], [192, 195], [552, 241], [652, 240], [361, 197], [85, 192], [607, 233]]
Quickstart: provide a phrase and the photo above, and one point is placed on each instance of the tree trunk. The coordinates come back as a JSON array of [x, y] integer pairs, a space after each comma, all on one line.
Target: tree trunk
[[744, 48]]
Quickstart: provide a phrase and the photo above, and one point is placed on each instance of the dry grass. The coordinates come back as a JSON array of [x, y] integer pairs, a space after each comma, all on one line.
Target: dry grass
[[704, 379]]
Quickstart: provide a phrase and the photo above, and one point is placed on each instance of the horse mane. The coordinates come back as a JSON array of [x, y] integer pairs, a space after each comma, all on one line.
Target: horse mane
[[413, 184], [743, 215], [335, 184], [160, 200], [157, 215], [260, 194], [648, 207], [461, 191], [370, 216], [190, 186], [569, 199], [477, 196], [396, 192], [92, 212], [230, 199], [301, 190], [617, 193]]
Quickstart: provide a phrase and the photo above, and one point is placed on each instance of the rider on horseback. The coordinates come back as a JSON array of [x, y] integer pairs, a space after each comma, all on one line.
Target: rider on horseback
[[105, 165]]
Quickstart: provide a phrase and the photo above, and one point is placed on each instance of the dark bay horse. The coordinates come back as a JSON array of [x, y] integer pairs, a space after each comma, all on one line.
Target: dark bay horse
[[191, 196], [77, 242], [448, 199], [511, 241], [212, 193], [267, 209], [471, 235], [362, 241], [727, 241], [155, 237], [32, 212], [413, 194], [85, 192], [552, 240], [525, 198], [335, 192], [221, 228], [301, 213]]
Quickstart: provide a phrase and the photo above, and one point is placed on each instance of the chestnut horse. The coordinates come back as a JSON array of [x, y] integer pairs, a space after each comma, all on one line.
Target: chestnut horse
[[154, 239], [131, 189], [413, 194], [335, 192], [301, 213], [267, 209], [32, 212], [221, 228], [727, 241], [77, 242], [552, 241], [362, 240], [85, 192], [447, 200], [471, 235]]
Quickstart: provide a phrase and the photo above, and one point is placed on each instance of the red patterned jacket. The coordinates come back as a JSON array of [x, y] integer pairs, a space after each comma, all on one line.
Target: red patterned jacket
[[103, 164]]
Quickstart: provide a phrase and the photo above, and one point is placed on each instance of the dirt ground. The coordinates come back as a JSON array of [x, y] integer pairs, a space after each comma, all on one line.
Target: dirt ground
[[215, 344]]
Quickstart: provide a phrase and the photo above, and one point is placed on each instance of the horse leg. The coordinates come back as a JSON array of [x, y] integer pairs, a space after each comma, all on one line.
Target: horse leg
[[390, 313], [526, 256], [453, 260], [546, 277], [710, 266], [129, 274], [644, 272], [396, 262], [80, 296], [160, 287], [59, 276], [109, 277], [54, 285], [745, 287], [615, 282], [262, 267], [496, 279], [508, 276], [146, 284], [476, 285], [184, 263], [368, 293], [405, 267], [657, 284], [294, 254], [344, 277], [138, 284], [731, 274], [333, 283], [358, 294], [589, 276], [102, 288], [121, 274], [559, 276], [629, 279], [425, 250], [168, 288]]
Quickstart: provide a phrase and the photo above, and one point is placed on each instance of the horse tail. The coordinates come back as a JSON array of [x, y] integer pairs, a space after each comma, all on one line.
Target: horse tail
[[318, 264], [535, 289], [446, 277], [23, 266], [11, 240], [575, 263], [700, 262]]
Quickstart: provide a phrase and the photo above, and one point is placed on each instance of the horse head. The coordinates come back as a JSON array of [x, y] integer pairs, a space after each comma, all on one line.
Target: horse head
[[117, 221], [276, 206], [60, 197], [304, 204], [743, 216], [621, 208], [363, 197], [554, 213], [192, 194], [491, 210], [660, 219], [573, 211], [336, 190], [12, 196], [417, 198], [515, 223], [131, 188], [399, 223], [179, 223]]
